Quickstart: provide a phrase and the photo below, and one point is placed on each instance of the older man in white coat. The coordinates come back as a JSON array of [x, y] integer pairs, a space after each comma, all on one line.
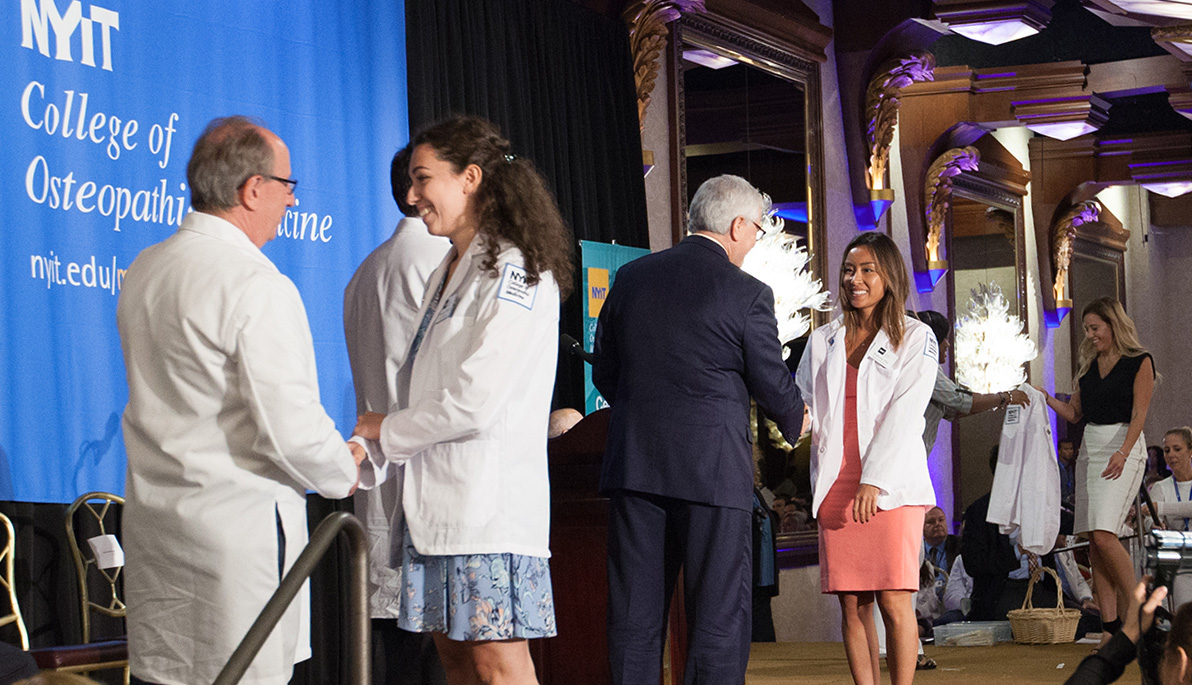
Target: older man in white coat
[[224, 429], [381, 306]]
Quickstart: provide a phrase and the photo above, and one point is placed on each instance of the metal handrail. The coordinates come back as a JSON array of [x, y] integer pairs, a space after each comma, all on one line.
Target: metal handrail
[[359, 636]]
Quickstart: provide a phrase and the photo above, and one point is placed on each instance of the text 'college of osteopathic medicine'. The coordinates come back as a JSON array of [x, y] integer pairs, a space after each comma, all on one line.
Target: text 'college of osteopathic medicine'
[[80, 35]]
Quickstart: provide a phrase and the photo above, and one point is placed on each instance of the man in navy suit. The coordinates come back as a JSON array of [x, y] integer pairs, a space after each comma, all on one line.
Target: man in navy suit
[[684, 339]]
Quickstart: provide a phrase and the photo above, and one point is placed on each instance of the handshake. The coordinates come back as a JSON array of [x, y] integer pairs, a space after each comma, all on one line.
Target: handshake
[[368, 427]]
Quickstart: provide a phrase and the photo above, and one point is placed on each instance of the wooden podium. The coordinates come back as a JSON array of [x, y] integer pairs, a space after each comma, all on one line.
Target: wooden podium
[[578, 567]]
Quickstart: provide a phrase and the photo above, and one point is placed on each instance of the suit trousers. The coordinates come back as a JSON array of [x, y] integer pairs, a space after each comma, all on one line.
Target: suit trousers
[[651, 538]]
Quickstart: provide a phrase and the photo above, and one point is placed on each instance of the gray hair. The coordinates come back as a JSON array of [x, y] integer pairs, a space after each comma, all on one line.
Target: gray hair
[[230, 151], [721, 199]]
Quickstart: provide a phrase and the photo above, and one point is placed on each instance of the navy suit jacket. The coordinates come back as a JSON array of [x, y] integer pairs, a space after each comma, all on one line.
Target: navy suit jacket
[[683, 340]]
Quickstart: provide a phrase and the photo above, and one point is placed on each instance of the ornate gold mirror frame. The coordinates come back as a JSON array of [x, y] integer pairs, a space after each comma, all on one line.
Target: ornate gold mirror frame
[[786, 60]]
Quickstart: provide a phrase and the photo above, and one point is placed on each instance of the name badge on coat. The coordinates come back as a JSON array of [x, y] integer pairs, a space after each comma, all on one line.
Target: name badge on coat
[[883, 355]]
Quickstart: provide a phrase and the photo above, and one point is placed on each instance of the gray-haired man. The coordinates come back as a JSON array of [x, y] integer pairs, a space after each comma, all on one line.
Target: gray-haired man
[[224, 429]]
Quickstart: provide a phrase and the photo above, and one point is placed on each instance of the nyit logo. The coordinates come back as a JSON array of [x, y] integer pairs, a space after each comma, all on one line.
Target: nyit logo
[[38, 17]]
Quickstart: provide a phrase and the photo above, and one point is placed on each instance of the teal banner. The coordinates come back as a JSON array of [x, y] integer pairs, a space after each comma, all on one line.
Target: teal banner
[[600, 263]]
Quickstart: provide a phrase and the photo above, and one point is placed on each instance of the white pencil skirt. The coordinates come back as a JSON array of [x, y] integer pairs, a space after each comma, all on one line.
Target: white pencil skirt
[[1102, 504]]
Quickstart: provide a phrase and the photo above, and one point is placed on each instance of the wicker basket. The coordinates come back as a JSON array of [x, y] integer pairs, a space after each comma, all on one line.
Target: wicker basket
[[1033, 626]]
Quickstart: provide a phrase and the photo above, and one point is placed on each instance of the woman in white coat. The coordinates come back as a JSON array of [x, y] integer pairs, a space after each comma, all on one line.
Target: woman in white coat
[[869, 376], [473, 437]]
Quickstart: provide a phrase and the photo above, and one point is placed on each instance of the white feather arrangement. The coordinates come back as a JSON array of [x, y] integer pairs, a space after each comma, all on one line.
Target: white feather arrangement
[[990, 344], [778, 261]]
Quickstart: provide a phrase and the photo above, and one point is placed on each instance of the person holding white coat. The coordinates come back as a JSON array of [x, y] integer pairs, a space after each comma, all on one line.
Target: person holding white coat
[[473, 436], [868, 377], [1113, 391]]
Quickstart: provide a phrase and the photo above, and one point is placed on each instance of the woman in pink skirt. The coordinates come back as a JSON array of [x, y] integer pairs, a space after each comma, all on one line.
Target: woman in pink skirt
[[867, 378]]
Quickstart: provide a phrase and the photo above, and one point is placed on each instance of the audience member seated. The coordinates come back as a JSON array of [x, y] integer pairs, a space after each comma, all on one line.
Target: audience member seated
[[795, 516], [958, 593], [778, 504], [939, 548], [1065, 454], [562, 420], [939, 552], [1000, 571], [1156, 466], [1077, 594], [989, 557], [1172, 497]]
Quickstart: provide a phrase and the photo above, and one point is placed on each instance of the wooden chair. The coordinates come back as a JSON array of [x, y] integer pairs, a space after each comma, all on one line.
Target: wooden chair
[[7, 580], [95, 513]]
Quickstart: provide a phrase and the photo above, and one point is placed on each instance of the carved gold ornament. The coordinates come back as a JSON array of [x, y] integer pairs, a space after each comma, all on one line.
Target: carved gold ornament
[[647, 20], [938, 191], [881, 108], [1062, 235]]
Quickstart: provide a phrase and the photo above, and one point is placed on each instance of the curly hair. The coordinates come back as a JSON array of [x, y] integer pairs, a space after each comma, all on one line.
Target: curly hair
[[512, 201]]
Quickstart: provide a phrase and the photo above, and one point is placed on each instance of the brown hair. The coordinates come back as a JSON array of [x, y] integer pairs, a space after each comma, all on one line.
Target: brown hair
[[1125, 335], [512, 201], [1186, 433], [1181, 632], [890, 312]]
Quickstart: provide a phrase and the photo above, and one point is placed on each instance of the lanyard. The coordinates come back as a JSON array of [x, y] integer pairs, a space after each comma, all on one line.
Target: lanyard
[[1177, 497]]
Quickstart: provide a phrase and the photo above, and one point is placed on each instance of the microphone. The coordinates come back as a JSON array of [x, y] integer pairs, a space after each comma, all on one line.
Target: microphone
[[572, 345]]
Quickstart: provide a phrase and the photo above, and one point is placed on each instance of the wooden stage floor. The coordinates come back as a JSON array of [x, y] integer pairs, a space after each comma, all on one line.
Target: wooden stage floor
[[824, 662]]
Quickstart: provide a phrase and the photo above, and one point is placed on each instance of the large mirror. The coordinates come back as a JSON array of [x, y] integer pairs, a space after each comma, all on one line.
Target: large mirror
[[1098, 269], [985, 247], [750, 106]]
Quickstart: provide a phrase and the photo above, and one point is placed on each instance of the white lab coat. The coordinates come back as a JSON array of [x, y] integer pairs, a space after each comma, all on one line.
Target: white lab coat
[[381, 306], [893, 389], [1026, 485], [958, 591], [1065, 563], [473, 438], [225, 434]]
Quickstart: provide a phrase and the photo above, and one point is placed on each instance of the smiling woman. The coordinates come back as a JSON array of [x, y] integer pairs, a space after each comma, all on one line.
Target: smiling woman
[[473, 436], [1113, 393], [872, 486]]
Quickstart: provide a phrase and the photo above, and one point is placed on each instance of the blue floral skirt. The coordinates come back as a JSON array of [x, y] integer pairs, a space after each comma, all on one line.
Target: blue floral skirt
[[476, 596]]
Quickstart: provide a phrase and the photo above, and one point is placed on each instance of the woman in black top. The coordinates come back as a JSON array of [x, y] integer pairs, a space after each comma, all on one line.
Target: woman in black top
[[1115, 379]]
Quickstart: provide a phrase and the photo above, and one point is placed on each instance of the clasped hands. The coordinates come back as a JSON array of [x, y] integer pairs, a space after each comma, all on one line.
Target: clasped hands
[[368, 425]]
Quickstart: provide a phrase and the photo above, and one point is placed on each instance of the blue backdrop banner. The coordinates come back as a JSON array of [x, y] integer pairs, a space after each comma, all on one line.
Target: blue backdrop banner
[[100, 105]]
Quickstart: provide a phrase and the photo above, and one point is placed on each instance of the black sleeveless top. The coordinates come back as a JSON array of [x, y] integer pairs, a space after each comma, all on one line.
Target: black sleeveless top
[[1110, 399]]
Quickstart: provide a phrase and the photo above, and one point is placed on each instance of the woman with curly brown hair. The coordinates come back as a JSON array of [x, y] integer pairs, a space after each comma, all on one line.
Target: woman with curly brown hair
[[473, 436]]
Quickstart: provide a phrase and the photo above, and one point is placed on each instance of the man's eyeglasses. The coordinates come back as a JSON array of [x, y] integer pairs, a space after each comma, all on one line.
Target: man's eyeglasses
[[291, 183], [761, 232]]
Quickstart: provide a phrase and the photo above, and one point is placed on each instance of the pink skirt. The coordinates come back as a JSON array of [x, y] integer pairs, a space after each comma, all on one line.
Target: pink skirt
[[881, 554]]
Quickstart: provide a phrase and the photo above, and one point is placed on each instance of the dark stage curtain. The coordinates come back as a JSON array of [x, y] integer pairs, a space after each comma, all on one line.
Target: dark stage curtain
[[558, 80]]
